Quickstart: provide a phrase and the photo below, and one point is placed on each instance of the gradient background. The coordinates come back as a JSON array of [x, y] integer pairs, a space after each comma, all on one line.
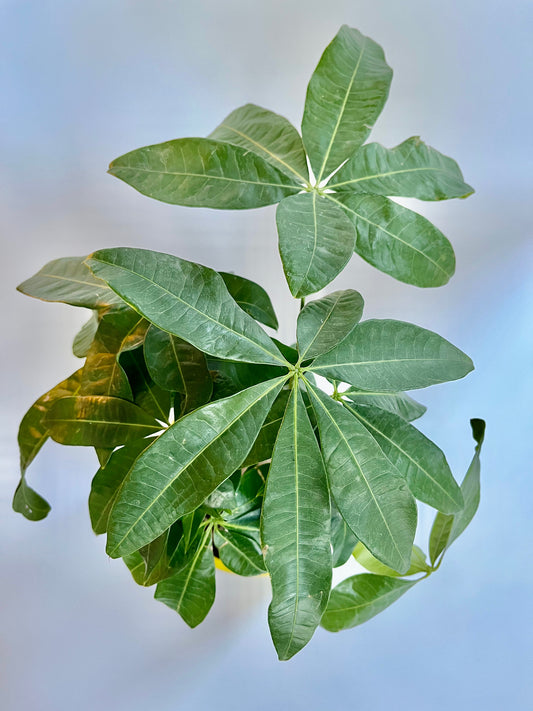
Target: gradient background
[[83, 82]]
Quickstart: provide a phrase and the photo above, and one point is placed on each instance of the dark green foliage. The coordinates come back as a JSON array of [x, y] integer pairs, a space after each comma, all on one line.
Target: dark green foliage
[[216, 446]]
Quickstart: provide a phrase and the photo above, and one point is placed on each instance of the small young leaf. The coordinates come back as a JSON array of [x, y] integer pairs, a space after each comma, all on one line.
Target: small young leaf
[[325, 322], [252, 298], [70, 281], [98, 421], [316, 241], [345, 96], [267, 135], [191, 591], [398, 241], [398, 403], [371, 495], [416, 457], [447, 528], [295, 532], [411, 169], [361, 597], [187, 300], [200, 172], [365, 558], [391, 356], [185, 464]]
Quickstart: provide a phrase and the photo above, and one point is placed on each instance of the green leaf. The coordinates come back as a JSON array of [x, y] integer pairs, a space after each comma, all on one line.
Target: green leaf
[[398, 241], [411, 169], [325, 322], [223, 497], [416, 457], [371, 495], [343, 540], [70, 281], [345, 96], [240, 553], [288, 352], [398, 403], [146, 394], [177, 366], [389, 356], [316, 241], [295, 530], [185, 464], [118, 331], [191, 591], [33, 433], [446, 528], [85, 336], [98, 421], [365, 558], [230, 377], [108, 479], [268, 135], [264, 444], [187, 300], [361, 597], [199, 172], [252, 298]]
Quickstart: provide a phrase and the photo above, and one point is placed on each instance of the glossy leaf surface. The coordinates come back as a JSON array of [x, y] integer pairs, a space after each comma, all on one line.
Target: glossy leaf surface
[[361, 597], [295, 532], [446, 529], [268, 135], [200, 172], [325, 322], [398, 241], [398, 403], [416, 457], [241, 554], [316, 241], [185, 464], [70, 281], [98, 421], [191, 591], [252, 298], [187, 300], [371, 495], [345, 96], [411, 169], [391, 356], [343, 540]]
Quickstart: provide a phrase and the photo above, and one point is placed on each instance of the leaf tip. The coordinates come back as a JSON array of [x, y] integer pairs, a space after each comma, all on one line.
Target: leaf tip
[[478, 430]]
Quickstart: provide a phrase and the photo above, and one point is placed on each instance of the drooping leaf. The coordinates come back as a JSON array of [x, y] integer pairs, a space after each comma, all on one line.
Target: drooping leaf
[[268, 135], [33, 433], [146, 394], [345, 96], [390, 356], [416, 457], [85, 336], [252, 298], [316, 241], [241, 554], [185, 464], [200, 172], [187, 300], [70, 281], [411, 169], [361, 597], [98, 421], [118, 331], [343, 540], [447, 528], [108, 479], [398, 403], [371, 495], [365, 558], [295, 530], [325, 322], [191, 591], [177, 366], [398, 241]]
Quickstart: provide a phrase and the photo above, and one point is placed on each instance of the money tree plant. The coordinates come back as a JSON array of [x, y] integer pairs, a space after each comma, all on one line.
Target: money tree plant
[[217, 443]]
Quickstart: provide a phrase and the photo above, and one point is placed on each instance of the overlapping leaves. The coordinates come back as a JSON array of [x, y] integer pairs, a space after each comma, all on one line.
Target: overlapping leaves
[[256, 157]]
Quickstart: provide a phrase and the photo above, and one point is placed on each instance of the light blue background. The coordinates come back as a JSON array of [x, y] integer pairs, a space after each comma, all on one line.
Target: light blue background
[[83, 82]]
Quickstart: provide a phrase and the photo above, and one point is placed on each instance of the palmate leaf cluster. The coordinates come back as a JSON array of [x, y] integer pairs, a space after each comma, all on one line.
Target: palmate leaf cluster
[[216, 444]]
